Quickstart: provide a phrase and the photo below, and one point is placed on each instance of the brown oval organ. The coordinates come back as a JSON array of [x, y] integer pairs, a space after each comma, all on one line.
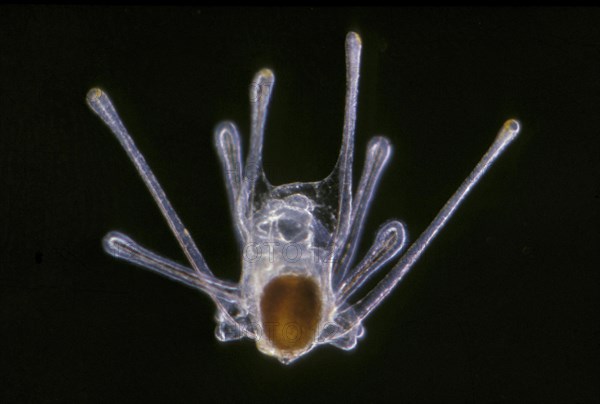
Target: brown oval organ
[[291, 310]]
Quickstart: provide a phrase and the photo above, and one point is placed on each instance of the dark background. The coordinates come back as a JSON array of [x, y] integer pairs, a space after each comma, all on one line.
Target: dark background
[[501, 308]]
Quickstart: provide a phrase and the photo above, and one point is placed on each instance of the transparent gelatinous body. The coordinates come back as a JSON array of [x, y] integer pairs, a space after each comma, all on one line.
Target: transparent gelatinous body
[[298, 287]]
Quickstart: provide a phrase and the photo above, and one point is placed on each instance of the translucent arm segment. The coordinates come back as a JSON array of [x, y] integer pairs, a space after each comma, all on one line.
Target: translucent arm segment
[[100, 103], [378, 154], [260, 95], [390, 240], [120, 246], [228, 144], [344, 163], [363, 307]]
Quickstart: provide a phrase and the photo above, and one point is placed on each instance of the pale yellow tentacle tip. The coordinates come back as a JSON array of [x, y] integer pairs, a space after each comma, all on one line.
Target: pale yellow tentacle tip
[[93, 94], [352, 38], [262, 85], [509, 131], [266, 73]]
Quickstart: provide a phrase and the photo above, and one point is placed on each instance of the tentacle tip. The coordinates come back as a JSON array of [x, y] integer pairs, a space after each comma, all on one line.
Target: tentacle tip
[[109, 240], [380, 143], [513, 125], [226, 136], [509, 130], [93, 94], [263, 76], [262, 84], [266, 73], [353, 39], [224, 128]]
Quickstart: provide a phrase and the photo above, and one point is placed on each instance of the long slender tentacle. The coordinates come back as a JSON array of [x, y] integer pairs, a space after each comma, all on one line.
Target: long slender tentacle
[[367, 304], [260, 95], [345, 159], [103, 107]]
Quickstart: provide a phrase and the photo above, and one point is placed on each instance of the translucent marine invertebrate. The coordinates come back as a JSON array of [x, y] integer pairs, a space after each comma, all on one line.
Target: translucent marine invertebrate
[[298, 241]]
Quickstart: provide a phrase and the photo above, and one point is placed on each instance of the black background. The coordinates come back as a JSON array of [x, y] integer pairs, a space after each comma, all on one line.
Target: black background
[[501, 308]]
